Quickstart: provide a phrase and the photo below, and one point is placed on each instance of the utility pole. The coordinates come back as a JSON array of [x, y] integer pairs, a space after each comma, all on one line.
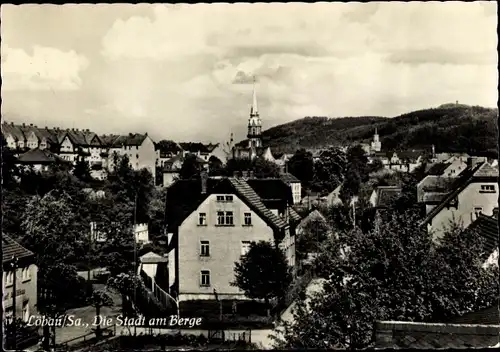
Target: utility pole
[[14, 291]]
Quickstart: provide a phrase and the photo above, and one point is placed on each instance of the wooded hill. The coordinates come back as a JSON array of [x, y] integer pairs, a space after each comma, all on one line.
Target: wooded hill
[[450, 127]]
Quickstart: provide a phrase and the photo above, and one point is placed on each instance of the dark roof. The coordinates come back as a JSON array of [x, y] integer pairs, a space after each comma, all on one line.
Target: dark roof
[[396, 334], [39, 156], [487, 228], [469, 175], [168, 146], [13, 130], [272, 189], [487, 316], [11, 248], [438, 169], [198, 147], [385, 195], [295, 216], [132, 139], [289, 178], [410, 155], [184, 196]]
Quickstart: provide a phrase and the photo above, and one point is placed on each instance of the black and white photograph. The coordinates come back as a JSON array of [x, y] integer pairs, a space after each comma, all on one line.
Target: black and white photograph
[[249, 176]]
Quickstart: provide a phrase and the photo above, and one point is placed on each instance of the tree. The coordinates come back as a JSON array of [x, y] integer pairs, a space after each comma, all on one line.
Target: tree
[[351, 185], [262, 273], [329, 170], [301, 165], [190, 167], [215, 166], [82, 171], [265, 169], [395, 272], [310, 238], [100, 299]]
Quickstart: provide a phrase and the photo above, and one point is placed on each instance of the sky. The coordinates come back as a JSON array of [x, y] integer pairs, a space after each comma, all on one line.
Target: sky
[[184, 72]]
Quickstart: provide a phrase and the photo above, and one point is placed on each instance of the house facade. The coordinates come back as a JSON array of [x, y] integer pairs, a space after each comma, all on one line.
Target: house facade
[[211, 224], [139, 148], [294, 184], [15, 256], [475, 192]]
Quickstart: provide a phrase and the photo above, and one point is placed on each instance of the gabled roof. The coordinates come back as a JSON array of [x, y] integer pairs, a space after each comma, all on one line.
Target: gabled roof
[[132, 139], [11, 248], [14, 131], [295, 216], [438, 169], [152, 258], [39, 156], [108, 139], [184, 197], [468, 176], [289, 178]]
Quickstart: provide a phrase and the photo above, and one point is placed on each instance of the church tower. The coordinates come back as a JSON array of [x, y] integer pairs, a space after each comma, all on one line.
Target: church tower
[[376, 145], [254, 134]]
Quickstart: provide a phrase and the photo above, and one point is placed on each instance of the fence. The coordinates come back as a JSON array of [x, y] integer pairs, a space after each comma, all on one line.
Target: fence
[[150, 295], [91, 336]]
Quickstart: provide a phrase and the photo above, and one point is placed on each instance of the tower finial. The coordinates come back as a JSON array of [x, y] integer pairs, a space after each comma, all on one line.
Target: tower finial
[[254, 109]]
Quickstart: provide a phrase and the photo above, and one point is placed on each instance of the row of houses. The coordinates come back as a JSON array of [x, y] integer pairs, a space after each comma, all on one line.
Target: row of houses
[[40, 147]]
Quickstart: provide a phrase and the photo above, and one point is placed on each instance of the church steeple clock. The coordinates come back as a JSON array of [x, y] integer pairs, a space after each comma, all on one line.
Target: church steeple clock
[[254, 134]]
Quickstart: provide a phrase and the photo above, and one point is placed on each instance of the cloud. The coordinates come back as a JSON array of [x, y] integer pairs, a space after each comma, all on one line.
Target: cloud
[[45, 69], [445, 57]]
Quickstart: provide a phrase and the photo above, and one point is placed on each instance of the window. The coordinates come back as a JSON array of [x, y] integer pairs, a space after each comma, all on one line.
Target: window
[[9, 278], [202, 219], [487, 189], [220, 198], [248, 219], [229, 198], [220, 218], [477, 211], [204, 249], [225, 218], [245, 247], [229, 218], [205, 278]]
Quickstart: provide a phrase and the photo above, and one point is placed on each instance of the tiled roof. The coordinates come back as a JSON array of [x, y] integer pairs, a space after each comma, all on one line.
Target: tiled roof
[[294, 215], [488, 316], [466, 177], [487, 228], [38, 156], [438, 169], [108, 139], [244, 190], [184, 196], [386, 194], [132, 139], [433, 183], [13, 130], [397, 335], [12, 248], [289, 178]]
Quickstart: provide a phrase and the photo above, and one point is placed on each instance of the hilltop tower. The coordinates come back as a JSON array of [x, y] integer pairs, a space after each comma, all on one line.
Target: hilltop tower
[[254, 134], [376, 146]]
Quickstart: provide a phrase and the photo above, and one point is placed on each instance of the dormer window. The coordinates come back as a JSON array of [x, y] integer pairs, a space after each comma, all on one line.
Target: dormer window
[[487, 189]]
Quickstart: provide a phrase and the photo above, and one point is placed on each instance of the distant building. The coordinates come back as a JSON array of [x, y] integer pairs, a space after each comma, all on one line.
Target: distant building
[[39, 159], [172, 167], [333, 198], [473, 193], [294, 184], [382, 196], [376, 145], [139, 148], [211, 223], [253, 147], [25, 276]]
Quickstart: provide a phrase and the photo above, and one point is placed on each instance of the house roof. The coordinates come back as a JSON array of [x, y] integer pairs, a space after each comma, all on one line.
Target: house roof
[[198, 147], [39, 156], [295, 216], [168, 146], [487, 316], [438, 169], [386, 194], [132, 139], [468, 176], [13, 130], [289, 178], [411, 155], [271, 189], [416, 335], [11, 248], [486, 227], [152, 258], [184, 196]]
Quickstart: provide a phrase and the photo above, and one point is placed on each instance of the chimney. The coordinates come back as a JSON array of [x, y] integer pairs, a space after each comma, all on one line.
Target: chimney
[[495, 212], [204, 178], [31, 125], [24, 125]]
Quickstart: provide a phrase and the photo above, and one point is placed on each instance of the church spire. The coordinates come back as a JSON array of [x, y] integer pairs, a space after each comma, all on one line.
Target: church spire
[[254, 111]]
